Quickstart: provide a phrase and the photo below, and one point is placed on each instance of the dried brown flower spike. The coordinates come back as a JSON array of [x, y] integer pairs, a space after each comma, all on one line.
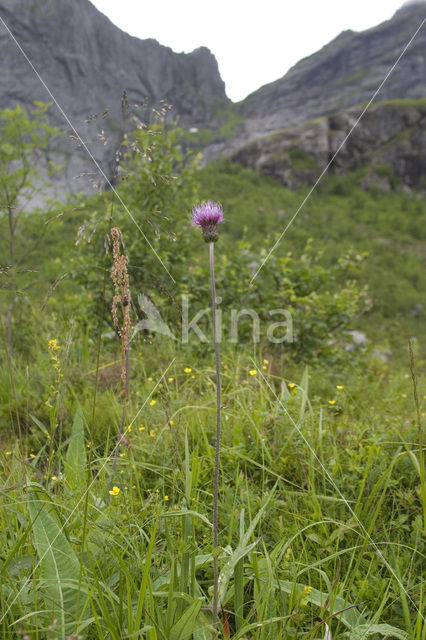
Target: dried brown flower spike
[[121, 301]]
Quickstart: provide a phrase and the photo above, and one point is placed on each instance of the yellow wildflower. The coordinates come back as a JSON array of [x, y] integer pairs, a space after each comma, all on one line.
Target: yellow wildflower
[[265, 368], [152, 433], [171, 423], [340, 387], [53, 345], [8, 453], [187, 369], [170, 379], [32, 455], [166, 498], [54, 478], [253, 372], [141, 428], [331, 402], [304, 599], [153, 402], [265, 361], [114, 491], [149, 379], [121, 455], [291, 385]]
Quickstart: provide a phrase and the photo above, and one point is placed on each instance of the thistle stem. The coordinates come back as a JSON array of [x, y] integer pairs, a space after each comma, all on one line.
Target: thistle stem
[[217, 444]]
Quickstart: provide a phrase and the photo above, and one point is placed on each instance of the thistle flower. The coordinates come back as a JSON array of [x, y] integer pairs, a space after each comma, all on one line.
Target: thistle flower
[[207, 216]]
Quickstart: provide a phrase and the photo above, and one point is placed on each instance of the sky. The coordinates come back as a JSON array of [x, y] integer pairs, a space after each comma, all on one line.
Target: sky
[[254, 42]]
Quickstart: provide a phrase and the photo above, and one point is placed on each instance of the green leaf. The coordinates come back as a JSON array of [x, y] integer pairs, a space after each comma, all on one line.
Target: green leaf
[[228, 569], [59, 565], [202, 628], [351, 618], [183, 628], [75, 461], [383, 629], [304, 386], [242, 550]]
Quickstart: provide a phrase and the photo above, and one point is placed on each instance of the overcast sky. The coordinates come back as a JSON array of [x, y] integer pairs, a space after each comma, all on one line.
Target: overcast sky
[[254, 42]]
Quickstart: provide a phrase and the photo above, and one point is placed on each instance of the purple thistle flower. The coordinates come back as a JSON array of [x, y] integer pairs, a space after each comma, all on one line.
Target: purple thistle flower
[[207, 216]]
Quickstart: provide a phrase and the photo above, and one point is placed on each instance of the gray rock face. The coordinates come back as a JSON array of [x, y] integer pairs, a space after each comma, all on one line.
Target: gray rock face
[[390, 137], [87, 63], [344, 73]]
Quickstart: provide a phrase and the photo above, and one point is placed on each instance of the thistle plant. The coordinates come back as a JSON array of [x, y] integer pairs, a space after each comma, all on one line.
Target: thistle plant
[[121, 318], [207, 216]]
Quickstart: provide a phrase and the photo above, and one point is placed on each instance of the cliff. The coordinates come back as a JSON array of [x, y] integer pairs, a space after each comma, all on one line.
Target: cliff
[[87, 63], [390, 140]]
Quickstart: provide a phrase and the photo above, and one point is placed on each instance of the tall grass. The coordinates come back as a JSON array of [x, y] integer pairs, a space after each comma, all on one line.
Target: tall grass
[[321, 519]]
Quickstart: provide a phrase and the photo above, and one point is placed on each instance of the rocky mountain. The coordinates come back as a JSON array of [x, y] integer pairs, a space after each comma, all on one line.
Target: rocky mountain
[[390, 139], [346, 72], [87, 63]]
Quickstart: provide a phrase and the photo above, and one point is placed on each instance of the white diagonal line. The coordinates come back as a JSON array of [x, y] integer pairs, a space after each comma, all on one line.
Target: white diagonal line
[[84, 494], [391, 70], [329, 477], [84, 145]]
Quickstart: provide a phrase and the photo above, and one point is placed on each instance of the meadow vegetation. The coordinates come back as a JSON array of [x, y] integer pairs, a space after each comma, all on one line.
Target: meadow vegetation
[[322, 505]]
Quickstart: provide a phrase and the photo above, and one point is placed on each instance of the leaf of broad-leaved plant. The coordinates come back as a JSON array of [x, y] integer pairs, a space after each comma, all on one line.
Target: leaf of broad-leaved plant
[[242, 550], [202, 628], [386, 630], [183, 628], [75, 460], [59, 565]]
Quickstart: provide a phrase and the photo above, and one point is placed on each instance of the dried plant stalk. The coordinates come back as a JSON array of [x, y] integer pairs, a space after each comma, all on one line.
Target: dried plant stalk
[[122, 322]]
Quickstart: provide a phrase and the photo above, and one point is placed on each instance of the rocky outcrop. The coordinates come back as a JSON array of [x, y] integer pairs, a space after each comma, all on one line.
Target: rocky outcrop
[[87, 63], [346, 72], [390, 139]]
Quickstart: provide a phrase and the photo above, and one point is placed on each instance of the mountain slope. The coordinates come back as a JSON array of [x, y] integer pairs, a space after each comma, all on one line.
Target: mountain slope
[[87, 63], [344, 73]]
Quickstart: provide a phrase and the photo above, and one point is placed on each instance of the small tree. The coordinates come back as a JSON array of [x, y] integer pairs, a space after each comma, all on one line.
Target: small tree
[[25, 168]]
